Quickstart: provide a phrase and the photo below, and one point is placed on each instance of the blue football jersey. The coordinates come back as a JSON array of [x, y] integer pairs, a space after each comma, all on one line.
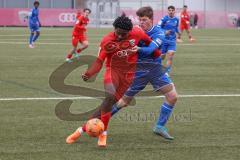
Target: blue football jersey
[[168, 23], [33, 16], [158, 36]]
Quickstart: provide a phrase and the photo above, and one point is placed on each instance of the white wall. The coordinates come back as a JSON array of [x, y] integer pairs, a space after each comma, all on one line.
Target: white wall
[[233, 5], [211, 5], [136, 4], [175, 3], [196, 5]]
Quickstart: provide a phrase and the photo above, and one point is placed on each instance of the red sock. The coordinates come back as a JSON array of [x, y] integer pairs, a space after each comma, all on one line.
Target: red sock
[[84, 128], [105, 117], [69, 56], [79, 50]]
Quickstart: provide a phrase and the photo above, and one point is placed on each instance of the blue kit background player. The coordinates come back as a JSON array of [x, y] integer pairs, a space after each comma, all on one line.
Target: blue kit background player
[[170, 24], [34, 24], [150, 70]]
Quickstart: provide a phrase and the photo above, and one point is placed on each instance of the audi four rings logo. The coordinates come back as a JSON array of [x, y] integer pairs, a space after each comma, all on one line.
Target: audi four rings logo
[[122, 53], [67, 17]]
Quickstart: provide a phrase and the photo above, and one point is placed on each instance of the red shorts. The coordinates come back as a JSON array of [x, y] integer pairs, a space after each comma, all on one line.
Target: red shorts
[[184, 27], [78, 38], [117, 83]]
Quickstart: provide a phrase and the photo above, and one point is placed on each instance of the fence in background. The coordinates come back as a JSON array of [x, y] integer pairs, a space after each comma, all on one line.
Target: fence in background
[[210, 13]]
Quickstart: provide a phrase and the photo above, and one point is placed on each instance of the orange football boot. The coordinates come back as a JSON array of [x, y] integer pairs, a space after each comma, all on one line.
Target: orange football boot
[[102, 140], [73, 137]]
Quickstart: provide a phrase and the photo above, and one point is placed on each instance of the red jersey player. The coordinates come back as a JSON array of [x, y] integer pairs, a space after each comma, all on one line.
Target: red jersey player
[[79, 34], [119, 49], [185, 24]]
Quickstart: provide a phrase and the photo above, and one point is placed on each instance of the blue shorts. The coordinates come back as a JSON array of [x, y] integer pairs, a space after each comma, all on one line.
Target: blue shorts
[[168, 47], [155, 77], [34, 27]]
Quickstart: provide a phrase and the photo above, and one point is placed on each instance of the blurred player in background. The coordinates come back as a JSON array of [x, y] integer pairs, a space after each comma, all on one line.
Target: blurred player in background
[[195, 21], [79, 34], [238, 23], [34, 24], [185, 24], [119, 50], [149, 70], [170, 24]]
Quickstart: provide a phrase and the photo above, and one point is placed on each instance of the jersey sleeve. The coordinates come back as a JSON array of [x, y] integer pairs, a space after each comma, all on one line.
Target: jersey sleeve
[[158, 38], [30, 14], [97, 65], [177, 27], [149, 49], [102, 53], [143, 36], [156, 43], [161, 23]]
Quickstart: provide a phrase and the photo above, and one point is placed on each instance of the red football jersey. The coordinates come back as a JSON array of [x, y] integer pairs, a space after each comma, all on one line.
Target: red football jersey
[[80, 25], [184, 18], [116, 53]]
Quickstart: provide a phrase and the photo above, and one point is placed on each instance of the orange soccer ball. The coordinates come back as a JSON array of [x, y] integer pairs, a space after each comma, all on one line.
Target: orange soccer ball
[[94, 127]]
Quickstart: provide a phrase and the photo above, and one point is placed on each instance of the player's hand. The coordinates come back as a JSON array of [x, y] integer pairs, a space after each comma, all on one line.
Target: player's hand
[[134, 49], [167, 32], [85, 77], [187, 22], [40, 25]]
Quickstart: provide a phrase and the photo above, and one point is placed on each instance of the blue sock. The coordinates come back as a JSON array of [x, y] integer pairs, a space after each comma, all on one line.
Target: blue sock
[[35, 37], [115, 109], [165, 113], [31, 38], [168, 69]]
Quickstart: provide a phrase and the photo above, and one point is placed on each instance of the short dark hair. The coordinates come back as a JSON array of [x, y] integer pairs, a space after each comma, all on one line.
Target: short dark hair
[[185, 6], [123, 22], [36, 2], [87, 9], [171, 7], [145, 11]]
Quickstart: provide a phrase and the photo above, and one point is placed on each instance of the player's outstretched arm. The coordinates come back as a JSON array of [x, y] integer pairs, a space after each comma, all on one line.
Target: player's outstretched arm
[[93, 70], [97, 65], [149, 49]]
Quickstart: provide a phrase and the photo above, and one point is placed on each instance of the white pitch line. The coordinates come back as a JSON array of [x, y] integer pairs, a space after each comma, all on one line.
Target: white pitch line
[[51, 35], [193, 44], [44, 43], [43, 98], [90, 98]]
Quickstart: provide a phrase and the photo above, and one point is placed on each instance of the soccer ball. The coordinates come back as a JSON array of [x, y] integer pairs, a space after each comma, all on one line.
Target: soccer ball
[[94, 127]]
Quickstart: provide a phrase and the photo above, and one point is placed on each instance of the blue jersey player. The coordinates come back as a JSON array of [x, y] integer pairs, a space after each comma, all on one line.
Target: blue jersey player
[[170, 24], [149, 70], [34, 24]]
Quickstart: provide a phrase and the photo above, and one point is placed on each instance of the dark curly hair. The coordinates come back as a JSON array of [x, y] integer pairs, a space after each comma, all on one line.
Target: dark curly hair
[[36, 2], [123, 22], [87, 9]]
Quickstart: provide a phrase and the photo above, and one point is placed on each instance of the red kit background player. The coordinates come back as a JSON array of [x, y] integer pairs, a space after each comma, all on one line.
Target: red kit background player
[[79, 34], [185, 24]]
